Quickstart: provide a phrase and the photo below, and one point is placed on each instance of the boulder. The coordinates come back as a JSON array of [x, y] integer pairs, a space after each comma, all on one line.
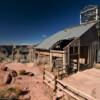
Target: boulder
[[7, 78], [13, 73], [30, 74], [26, 89], [3, 68]]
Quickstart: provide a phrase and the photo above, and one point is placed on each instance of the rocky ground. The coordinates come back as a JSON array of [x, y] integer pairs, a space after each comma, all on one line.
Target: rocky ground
[[34, 84]]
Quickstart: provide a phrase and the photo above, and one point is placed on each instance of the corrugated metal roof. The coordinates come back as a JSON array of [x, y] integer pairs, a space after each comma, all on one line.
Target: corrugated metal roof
[[64, 34]]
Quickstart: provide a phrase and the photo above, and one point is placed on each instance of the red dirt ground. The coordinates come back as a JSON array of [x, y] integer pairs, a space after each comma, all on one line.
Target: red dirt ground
[[35, 83], [87, 81]]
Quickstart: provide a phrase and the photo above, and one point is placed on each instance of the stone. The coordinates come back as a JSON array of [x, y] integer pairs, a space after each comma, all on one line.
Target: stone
[[13, 73], [7, 78], [30, 74], [26, 89], [3, 68]]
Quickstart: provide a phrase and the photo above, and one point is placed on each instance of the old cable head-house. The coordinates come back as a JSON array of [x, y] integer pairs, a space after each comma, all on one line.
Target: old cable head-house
[[76, 48]]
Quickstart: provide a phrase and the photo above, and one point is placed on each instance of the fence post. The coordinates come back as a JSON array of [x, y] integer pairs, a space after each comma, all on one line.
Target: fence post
[[55, 87], [43, 73]]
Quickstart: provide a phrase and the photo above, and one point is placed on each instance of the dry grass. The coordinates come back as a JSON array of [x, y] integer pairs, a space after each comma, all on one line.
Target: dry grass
[[22, 72], [11, 93]]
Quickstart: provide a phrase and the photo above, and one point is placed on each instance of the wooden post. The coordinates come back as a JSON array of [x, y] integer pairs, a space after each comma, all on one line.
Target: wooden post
[[51, 62], [90, 55], [64, 61], [31, 55], [55, 88], [55, 85], [44, 74], [18, 55], [13, 50], [95, 53], [79, 55], [68, 56], [34, 58]]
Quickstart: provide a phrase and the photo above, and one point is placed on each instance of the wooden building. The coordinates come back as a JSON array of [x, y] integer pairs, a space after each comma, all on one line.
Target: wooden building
[[75, 48]]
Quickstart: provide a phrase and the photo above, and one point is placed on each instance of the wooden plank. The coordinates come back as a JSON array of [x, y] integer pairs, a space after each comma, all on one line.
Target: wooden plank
[[57, 51], [68, 92], [49, 78], [50, 82], [44, 53], [57, 54], [46, 82]]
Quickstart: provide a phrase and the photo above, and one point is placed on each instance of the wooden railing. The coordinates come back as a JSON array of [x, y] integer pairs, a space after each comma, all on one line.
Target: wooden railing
[[49, 79], [57, 84]]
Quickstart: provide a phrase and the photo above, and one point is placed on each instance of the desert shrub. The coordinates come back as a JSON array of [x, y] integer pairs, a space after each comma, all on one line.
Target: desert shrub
[[11, 89], [11, 93], [22, 72], [8, 98], [13, 98]]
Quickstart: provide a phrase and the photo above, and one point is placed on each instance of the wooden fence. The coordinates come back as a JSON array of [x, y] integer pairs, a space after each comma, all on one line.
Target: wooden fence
[[57, 85], [49, 79]]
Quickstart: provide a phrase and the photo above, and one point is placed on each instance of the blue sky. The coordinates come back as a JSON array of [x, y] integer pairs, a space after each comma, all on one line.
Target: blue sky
[[31, 21]]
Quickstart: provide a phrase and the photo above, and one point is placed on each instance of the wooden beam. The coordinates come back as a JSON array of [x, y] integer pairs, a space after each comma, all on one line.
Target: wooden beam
[[51, 61], [64, 62], [57, 55], [78, 56], [57, 51], [44, 53], [68, 55]]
